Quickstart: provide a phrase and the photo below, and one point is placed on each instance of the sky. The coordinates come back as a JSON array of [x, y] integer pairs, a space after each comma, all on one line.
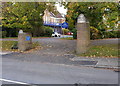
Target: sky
[[61, 9]]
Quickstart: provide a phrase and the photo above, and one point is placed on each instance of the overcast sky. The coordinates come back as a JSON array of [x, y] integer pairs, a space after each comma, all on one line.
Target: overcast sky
[[61, 9]]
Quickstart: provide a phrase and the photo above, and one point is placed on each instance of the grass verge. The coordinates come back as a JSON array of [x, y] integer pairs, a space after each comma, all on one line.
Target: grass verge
[[107, 50], [68, 38], [6, 45]]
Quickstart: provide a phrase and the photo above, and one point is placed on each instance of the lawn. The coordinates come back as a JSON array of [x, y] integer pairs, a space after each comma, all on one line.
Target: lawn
[[6, 45], [107, 50]]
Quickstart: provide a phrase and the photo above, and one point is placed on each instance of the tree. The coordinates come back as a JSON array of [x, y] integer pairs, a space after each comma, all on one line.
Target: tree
[[24, 15], [93, 11]]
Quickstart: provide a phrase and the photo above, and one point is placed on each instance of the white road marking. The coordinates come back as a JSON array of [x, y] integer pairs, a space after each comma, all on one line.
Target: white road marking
[[4, 53], [16, 82]]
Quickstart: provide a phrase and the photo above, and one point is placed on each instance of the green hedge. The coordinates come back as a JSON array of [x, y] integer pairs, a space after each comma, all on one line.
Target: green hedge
[[46, 31], [74, 33], [111, 34], [10, 32], [65, 31], [96, 34], [43, 31], [3, 34]]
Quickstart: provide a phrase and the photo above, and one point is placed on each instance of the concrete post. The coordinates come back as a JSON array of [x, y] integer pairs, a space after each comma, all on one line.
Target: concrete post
[[83, 35], [24, 41]]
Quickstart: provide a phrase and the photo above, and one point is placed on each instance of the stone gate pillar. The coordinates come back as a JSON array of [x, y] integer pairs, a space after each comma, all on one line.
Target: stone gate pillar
[[24, 41], [83, 34]]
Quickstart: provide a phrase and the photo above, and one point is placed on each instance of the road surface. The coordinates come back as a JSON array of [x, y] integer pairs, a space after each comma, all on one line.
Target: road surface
[[49, 73]]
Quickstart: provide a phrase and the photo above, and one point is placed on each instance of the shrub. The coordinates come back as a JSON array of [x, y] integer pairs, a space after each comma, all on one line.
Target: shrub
[[43, 31], [10, 32], [3, 34], [65, 31], [0, 34], [46, 31], [94, 33], [111, 34]]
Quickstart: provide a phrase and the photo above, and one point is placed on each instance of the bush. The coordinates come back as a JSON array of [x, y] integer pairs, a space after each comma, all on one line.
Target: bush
[[10, 32], [46, 31], [111, 34], [65, 31], [74, 33], [0, 34], [94, 33], [42, 31], [3, 34]]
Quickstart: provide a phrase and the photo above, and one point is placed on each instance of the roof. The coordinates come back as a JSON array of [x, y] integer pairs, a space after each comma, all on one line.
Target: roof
[[57, 15], [52, 14]]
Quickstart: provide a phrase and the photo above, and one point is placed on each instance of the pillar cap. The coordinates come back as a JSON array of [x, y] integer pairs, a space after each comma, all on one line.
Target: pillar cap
[[20, 31], [81, 19]]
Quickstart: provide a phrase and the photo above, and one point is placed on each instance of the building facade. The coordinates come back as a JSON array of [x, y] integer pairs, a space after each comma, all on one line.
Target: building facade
[[54, 21]]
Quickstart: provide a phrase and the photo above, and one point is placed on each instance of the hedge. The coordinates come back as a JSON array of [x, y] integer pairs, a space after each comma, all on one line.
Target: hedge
[[46, 31], [3, 34], [96, 34], [74, 33], [65, 31]]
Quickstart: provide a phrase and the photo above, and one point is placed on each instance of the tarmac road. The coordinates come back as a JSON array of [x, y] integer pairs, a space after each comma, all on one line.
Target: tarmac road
[[49, 73]]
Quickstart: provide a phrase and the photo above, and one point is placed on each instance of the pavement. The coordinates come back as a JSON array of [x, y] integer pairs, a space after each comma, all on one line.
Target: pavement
[[111, 63]]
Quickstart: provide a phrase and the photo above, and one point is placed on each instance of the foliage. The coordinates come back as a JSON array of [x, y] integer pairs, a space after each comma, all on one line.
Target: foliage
[[101, 15], [24, 15], [74, 33], [3, 34], [10, 32], [65, 31], [111, 34], [46, 31], [94, 33]]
